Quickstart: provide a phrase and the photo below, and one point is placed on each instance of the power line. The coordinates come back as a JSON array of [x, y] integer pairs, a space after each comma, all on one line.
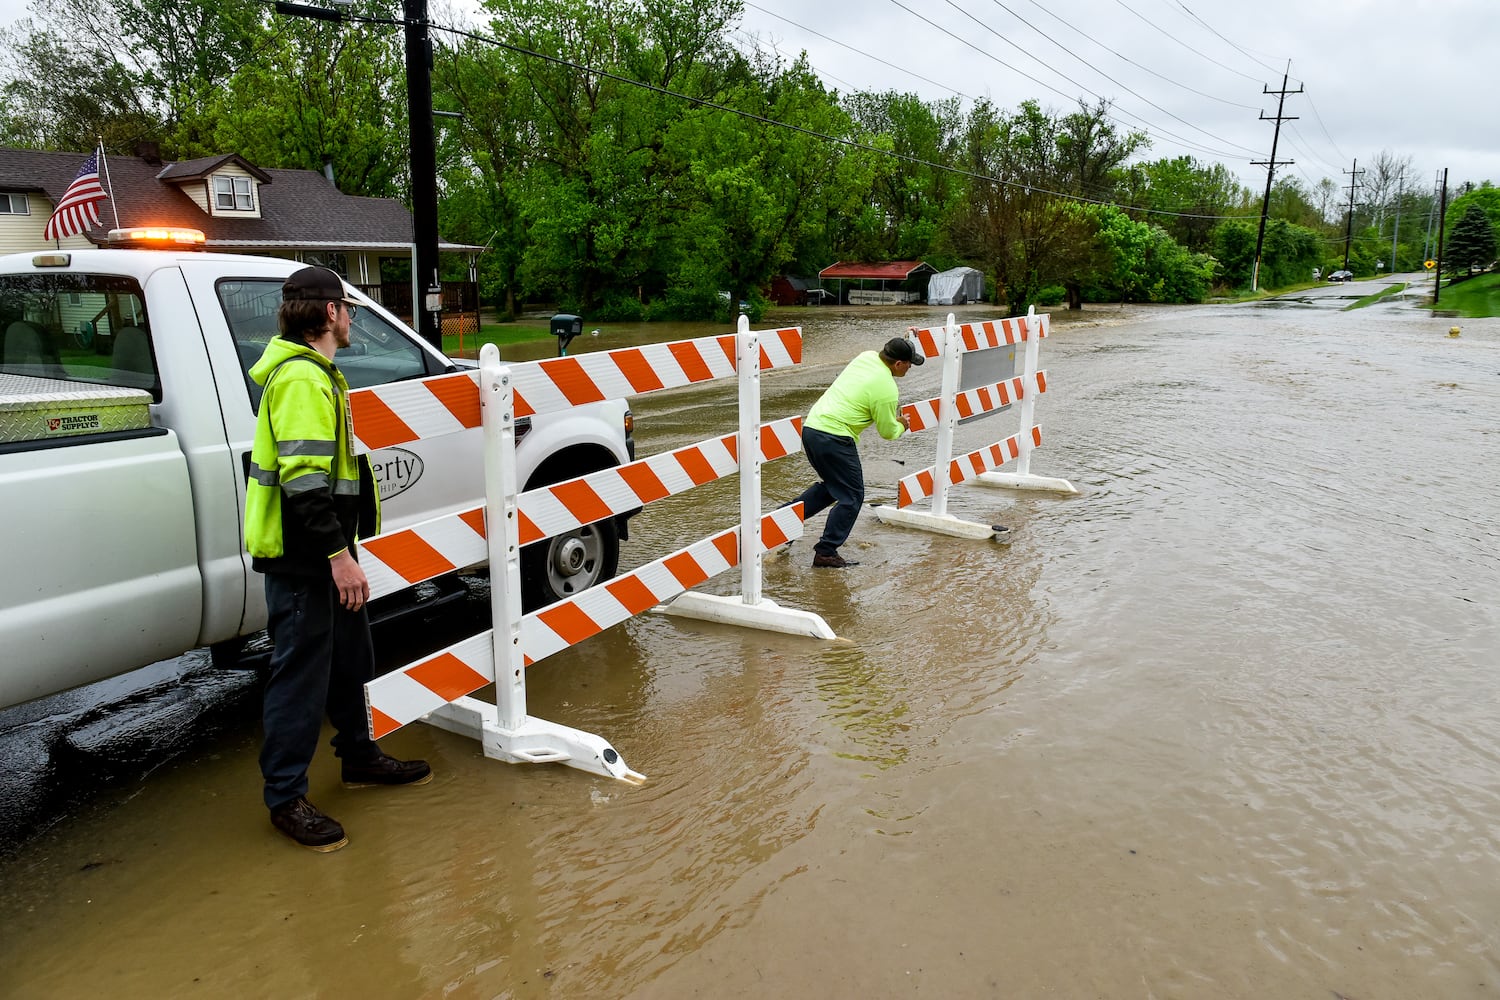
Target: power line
[[1185, 45], [1230, 43], [1147, 69], [1319, 119], [851, 48], [756, 42], [1146, 126], [1106, 76]]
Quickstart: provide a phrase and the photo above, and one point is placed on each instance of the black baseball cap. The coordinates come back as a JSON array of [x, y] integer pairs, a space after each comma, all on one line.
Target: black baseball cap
[[901, 349], [317, 284]]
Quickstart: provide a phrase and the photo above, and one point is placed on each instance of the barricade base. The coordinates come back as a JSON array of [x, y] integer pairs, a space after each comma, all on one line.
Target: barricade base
[[535, 741], [766, 615], [1016, 481], [942, 524]]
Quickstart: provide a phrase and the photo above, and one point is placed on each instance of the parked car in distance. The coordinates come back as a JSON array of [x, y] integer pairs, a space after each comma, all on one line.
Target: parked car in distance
[[1341, 276]]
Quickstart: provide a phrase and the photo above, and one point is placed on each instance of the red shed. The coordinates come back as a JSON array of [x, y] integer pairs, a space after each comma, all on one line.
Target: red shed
[[908, 274]]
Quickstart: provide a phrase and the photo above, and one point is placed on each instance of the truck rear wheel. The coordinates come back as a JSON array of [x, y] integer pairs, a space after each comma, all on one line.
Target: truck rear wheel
[[569, 564]]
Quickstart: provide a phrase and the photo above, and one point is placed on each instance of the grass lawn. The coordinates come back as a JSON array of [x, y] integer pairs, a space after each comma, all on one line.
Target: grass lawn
[[1476, 298], [496, 333], [1372, 299]]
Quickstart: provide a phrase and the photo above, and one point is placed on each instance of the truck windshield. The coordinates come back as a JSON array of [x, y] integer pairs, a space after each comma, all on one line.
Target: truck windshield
[[378, 351], [78, 328]]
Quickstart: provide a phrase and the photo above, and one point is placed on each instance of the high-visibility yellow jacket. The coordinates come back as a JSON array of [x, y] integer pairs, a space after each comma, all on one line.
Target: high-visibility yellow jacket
[[863, 394], [309, 497]]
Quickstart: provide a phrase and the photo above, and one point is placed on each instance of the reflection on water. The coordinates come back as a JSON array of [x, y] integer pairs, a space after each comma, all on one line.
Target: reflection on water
[[1224, 724]]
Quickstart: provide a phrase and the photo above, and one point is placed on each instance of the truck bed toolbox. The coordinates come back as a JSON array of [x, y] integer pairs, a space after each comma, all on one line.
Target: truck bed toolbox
[[38, 409]]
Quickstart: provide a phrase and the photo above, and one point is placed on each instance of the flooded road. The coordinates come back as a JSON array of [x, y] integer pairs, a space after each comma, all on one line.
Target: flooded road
[[1227, 723]]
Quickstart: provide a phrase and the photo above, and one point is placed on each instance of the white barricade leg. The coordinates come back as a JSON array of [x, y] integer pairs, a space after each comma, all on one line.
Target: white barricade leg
[[535, 741], [938, 520], [750, 609], [505, 730], [1022, 479]]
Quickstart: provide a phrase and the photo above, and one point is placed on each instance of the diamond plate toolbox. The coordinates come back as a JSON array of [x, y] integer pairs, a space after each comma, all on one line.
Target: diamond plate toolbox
[[39, 409]]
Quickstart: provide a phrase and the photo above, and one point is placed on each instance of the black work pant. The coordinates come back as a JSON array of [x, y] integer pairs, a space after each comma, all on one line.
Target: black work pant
[[835, 459], [323, 656]]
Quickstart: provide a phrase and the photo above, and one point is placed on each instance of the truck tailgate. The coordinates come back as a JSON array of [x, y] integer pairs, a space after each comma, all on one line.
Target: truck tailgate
[[101, 559]]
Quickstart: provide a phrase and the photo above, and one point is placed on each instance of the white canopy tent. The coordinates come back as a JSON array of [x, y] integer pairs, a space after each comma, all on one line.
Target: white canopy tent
[[955, 287]]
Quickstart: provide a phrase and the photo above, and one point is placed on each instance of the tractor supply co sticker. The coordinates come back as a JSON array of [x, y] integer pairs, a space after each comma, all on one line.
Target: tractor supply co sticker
[[396, 471], [74, 424]]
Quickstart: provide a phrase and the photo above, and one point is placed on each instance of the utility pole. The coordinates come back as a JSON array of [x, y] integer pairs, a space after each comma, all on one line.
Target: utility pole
[[427, 310], [1270, 165], [1349, 225], [1437, 273], [427, 292], [1396, 229]]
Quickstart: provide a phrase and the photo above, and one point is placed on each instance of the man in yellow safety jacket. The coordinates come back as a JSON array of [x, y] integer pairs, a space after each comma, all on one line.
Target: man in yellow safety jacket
[[863, 394], [308, 499]]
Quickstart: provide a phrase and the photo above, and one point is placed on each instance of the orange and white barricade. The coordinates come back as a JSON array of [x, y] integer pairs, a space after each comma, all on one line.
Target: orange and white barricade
[[943, 412], [437, 688]]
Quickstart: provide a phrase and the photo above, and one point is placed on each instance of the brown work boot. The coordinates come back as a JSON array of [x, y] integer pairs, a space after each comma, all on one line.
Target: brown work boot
[[384, 770], [308, 825], [834, 561]]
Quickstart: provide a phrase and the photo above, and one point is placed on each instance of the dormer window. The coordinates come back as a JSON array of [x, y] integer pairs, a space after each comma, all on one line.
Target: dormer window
[[233, 194]]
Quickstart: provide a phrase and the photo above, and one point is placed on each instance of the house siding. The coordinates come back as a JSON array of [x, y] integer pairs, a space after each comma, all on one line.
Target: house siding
[[23, 233], [198, 192]]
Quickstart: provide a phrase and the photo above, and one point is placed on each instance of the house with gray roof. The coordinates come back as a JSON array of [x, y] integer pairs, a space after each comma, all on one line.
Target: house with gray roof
[[239, 207]]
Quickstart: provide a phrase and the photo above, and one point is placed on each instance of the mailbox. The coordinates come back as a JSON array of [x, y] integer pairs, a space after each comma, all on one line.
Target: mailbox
[[565, 327]]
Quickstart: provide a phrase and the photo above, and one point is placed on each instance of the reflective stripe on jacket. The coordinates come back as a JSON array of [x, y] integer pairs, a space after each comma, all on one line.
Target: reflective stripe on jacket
[[308, 496]]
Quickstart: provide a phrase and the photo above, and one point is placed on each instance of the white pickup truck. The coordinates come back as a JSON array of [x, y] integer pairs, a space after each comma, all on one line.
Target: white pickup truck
[[126, 420]]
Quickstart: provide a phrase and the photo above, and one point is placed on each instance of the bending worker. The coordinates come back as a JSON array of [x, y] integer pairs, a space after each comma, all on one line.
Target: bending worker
[[863, 394], [308, 498]]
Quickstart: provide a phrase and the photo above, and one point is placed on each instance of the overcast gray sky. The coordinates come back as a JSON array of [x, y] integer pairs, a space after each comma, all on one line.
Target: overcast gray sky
[[1376, 75]]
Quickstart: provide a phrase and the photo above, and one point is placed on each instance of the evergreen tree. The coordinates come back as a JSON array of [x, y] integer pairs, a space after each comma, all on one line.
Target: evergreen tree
[[1473, 241]]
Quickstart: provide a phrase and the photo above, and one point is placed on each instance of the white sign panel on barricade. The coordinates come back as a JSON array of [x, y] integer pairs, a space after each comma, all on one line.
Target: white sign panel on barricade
[[951, 342]]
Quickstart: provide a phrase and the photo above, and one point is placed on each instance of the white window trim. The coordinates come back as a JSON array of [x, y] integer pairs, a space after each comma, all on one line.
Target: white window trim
[[238, 187], [11, 198]]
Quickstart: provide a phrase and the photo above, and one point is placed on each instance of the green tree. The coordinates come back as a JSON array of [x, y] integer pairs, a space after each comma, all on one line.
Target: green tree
[[1193, 196], [1473, 241], [1024, 235], [316, 92], [911, 194], [58, 97]]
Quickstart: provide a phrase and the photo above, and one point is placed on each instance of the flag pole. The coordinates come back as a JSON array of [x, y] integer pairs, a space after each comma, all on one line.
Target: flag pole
[[114, 207]]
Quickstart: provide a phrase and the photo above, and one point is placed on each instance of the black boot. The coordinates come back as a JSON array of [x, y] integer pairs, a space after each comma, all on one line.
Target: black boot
[[308, 826], [384, 770]]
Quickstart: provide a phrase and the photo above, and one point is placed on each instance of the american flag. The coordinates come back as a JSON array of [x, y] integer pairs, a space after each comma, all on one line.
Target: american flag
[[76, 210]]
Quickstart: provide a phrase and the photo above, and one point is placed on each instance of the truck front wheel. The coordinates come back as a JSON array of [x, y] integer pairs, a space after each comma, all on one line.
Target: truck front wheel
[[569, 564]]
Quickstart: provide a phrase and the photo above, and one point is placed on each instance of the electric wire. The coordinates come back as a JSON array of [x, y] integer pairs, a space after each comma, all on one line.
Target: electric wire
[[1185, 45], [867, 55], [1106, 76], [1146, 69], [1215, 33], [991, 56], [756, 42]]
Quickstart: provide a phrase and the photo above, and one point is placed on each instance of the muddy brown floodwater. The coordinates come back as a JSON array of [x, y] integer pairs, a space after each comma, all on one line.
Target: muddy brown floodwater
[[1225, 724]]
